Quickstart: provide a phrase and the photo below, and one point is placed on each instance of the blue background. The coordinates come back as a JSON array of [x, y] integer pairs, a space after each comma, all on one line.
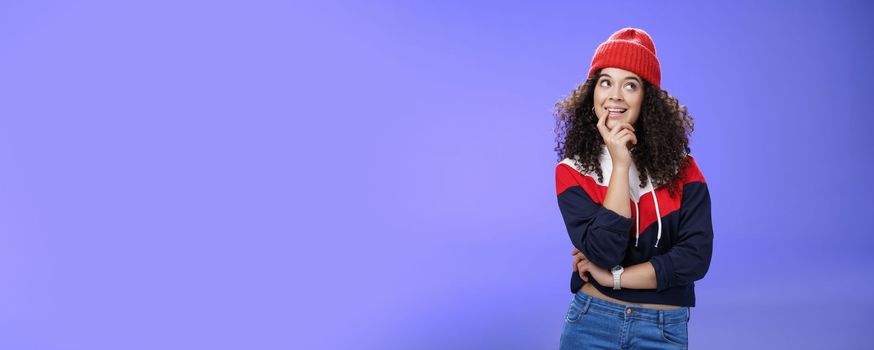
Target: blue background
[[380, 175]]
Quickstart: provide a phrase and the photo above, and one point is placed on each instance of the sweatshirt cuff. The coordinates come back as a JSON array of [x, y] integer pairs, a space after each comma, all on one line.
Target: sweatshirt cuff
[[664, 269], [576, 282]]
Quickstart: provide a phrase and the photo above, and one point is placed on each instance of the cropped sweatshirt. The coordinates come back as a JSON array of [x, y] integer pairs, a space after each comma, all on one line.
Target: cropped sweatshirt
[[674, 233]]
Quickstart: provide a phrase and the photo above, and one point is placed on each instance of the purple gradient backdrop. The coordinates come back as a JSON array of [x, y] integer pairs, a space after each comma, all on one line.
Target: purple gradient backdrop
[[378, 175]]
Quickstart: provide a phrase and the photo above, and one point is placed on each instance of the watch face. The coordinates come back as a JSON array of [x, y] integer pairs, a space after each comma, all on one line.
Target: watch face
[[616, 269]]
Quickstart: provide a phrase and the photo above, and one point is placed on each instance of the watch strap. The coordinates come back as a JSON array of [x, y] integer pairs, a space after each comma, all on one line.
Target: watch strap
[[616, 275]]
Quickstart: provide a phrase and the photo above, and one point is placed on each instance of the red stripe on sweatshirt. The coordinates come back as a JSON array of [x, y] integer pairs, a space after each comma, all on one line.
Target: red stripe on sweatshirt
[[566, 177]]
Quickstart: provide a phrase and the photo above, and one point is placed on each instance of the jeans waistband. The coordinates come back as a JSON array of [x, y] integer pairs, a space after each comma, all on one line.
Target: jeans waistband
[[589, 303]]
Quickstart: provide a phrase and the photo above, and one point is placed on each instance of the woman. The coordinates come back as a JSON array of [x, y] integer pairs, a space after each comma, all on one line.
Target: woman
[[635, 204]]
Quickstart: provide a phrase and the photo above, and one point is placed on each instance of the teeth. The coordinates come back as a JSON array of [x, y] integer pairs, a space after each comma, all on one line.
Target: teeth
[[616, 110]]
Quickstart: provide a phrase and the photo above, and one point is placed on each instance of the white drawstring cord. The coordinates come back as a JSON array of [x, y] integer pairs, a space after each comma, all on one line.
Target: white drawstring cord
[[637, 224], [658, 213]]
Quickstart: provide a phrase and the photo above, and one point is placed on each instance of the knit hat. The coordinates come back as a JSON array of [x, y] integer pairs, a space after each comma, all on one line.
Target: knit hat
[[630, 49]]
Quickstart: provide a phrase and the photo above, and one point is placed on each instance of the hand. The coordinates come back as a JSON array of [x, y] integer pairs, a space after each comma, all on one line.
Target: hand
[[582, 265], [578, 256], [618, 140]]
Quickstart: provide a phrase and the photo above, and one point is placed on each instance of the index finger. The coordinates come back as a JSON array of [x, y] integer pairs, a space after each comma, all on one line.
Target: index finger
[[602, 123], [575, 251]]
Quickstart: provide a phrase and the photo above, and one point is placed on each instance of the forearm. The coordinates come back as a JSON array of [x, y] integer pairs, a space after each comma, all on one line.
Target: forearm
[[640, 276], [598, 231], [617, 192]]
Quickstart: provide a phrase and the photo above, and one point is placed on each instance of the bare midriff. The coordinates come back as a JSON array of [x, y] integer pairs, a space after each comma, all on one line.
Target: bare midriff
[[589, 289]]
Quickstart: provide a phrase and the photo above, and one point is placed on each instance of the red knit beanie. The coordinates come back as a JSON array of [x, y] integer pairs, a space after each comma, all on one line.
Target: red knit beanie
[[630, 49]]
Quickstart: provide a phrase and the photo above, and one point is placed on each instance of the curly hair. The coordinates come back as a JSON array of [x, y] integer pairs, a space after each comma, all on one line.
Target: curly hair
[[662, 131]]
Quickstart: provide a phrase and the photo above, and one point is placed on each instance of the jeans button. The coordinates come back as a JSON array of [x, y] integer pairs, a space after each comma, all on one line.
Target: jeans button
[[628, 311]]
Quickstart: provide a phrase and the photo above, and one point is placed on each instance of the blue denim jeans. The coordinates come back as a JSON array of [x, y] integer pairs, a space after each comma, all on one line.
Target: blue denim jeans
[[593, 323]]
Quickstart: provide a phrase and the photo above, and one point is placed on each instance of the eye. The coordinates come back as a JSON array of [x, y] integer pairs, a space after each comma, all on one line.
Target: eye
[[631, 86], [605, 83]]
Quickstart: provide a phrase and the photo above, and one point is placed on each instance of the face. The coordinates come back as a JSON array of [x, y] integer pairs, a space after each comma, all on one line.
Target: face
[[618, 95]]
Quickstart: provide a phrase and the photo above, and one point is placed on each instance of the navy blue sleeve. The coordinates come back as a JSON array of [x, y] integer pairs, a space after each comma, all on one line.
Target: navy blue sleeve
[[689, 259], [600, 233]]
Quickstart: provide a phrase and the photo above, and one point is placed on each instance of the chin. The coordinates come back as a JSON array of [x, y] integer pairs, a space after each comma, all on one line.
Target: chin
[[612, 123]]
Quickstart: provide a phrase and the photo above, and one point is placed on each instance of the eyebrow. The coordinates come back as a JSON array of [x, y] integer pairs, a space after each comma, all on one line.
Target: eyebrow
[[626, 78]]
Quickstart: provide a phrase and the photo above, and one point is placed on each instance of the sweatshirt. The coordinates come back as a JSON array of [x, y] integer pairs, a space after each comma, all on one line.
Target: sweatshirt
[[675, 233]]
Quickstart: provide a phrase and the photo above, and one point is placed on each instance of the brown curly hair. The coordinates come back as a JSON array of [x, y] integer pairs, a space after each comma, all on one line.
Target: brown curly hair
[[662, 131]]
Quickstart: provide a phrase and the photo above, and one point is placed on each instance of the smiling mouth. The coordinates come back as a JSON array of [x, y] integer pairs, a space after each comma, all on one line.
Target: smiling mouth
[[615, 112]]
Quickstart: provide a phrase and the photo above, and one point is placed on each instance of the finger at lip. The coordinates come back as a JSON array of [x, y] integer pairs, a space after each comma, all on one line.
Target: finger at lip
[[613, 116], [602, 123]]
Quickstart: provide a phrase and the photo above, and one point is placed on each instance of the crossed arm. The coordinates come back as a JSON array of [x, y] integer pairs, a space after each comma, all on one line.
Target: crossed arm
[[640, 276]]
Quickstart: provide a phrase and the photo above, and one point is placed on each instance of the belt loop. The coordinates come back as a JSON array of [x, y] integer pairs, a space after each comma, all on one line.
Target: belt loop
[[661, 318], [588, 302], [688, 313]]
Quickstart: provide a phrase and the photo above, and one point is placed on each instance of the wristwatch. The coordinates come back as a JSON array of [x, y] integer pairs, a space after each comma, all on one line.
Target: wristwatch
[[617, 271]]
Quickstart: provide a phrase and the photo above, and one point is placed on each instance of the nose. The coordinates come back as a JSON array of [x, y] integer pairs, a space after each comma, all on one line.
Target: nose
[[616, 94]]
